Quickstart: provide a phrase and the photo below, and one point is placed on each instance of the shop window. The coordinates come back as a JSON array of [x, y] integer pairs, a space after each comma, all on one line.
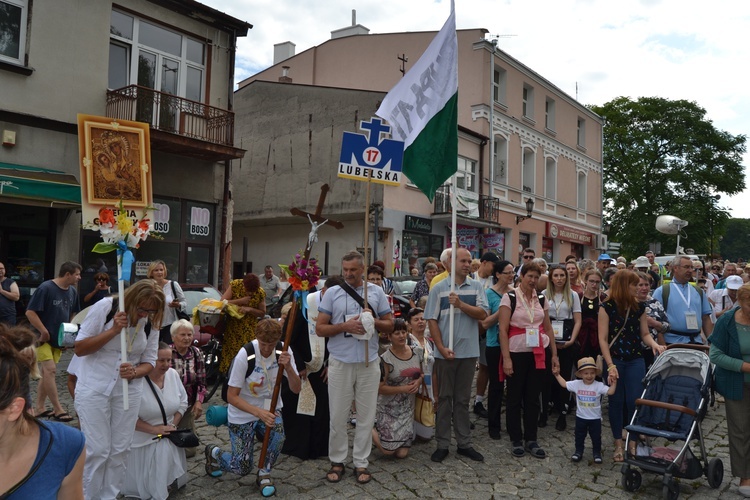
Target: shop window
[[416, 248]]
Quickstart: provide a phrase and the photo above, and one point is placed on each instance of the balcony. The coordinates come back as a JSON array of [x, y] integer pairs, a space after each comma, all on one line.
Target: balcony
[[478, 210], [178, 125]]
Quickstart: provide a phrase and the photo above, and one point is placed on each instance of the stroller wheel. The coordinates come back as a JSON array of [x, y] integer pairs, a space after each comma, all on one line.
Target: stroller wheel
[[715, 472], [631, 480], [671, 491]]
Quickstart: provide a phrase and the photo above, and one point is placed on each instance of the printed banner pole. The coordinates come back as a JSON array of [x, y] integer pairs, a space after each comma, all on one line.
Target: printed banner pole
[[454, 250], [123, 340], [366, 263]]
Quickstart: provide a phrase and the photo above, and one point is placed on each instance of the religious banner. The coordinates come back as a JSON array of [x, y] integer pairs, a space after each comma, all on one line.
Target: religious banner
[[370, 156], [115, 159]]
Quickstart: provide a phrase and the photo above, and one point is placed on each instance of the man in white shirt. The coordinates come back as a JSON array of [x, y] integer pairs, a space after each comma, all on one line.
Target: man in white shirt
[[724, 299]]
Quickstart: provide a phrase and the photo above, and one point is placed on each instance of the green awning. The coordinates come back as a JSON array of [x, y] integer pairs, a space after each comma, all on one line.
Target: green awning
[[22, 184]]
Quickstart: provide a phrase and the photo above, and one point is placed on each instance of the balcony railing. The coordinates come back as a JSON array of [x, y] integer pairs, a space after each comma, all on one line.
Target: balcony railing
[[170, 113], [488, 207]]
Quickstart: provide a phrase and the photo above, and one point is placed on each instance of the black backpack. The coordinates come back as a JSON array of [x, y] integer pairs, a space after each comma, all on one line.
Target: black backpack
[[250, 350], [113, 311], [512, 295]]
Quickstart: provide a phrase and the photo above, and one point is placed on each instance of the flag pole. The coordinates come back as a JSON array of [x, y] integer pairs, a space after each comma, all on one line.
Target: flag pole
[[367, 248], [454, 249], [123, 342]]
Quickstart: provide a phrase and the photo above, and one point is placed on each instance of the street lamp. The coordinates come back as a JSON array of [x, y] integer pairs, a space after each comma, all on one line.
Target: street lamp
[[529, 210]]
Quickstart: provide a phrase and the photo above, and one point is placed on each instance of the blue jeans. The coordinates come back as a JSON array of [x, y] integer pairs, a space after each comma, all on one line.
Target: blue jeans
[[594, 429], [629, 388]]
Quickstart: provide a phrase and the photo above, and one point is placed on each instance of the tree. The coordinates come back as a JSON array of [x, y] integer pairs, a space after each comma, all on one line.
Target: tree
[[734, 243], [665, 157]]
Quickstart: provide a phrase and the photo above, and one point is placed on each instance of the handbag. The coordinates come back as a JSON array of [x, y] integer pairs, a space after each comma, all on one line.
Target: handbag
[[181, 438], [599, 357], [424, 412], [179, 312]]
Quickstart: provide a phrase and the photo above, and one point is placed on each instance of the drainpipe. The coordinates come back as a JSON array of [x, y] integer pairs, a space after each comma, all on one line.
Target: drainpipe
[[492, 118], [225, 247]]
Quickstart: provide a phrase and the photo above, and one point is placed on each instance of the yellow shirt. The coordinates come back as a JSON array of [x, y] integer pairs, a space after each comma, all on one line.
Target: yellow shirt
[[438, 278]]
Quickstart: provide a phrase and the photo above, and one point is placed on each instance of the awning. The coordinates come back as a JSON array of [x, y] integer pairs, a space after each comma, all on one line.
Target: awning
[[33, 185]]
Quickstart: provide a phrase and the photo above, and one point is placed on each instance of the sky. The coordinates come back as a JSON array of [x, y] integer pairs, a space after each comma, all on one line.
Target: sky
[[594, 50]]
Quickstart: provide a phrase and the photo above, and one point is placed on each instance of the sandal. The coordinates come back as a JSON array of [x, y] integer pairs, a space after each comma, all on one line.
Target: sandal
[[337, 471], [618, 456], [517, 450], [45, 414], [63, 417], [535, 450], [267, 489], [362, 471]]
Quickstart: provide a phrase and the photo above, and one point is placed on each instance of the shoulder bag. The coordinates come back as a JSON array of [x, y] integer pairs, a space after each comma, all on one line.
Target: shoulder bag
[[599, 357], [181, 438], [178, 310]]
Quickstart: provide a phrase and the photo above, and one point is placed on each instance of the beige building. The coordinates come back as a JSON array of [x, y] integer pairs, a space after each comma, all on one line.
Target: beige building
[[544, 148], [168, 63]]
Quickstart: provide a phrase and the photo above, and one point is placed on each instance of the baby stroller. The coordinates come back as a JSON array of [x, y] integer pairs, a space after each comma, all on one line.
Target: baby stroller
[[678, 388]]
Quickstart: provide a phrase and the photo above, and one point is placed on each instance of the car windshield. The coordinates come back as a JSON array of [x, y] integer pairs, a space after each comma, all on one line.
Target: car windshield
[[404, 287]]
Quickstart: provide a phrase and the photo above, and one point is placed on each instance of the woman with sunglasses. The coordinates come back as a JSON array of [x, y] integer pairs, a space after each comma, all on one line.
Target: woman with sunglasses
[[107, 425], [100, 291]]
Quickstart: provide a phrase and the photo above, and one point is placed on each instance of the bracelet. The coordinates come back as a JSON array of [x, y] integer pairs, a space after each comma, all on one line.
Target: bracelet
[[609, 368]]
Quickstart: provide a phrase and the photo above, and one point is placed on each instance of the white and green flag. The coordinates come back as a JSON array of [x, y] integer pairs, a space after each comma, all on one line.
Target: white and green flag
[[422, 110]]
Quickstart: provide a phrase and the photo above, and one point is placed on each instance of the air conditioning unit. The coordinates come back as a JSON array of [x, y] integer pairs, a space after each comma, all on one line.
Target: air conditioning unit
[[601, 242]]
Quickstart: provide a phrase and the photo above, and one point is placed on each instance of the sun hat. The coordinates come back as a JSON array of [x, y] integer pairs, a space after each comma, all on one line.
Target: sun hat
[[642, 261], [734, 283], [585, 363]]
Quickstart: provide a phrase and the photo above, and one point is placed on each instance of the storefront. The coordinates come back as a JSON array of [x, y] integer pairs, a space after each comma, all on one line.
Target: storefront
[[418, 243], [569, 240], [184, 240]]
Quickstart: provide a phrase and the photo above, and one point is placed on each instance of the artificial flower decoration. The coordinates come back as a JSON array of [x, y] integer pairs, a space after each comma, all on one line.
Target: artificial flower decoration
[[302, 274], [120, 233]]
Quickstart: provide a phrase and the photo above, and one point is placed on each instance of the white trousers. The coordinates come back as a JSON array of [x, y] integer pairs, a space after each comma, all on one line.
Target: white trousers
[[349, 382], [109, 432]]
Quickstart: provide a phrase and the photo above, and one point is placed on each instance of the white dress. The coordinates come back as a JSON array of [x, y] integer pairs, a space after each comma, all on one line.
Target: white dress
[[154, 465]]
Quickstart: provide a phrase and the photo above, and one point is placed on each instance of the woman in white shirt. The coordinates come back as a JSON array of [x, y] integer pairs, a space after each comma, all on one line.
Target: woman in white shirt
[[249, 397], [174, 298], [109, 427], [154, 464], [565, 315]]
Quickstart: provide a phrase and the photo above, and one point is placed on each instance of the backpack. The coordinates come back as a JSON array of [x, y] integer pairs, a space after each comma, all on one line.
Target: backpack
[[665, 294], [250, 350], [113, 311], [512, 295]]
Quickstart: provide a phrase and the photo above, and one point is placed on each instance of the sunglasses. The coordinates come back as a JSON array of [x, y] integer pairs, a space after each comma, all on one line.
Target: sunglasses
[[528, 257], [147, 311]]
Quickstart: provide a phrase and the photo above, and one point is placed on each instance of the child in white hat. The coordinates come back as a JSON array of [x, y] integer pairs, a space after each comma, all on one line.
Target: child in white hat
[[588, 393]]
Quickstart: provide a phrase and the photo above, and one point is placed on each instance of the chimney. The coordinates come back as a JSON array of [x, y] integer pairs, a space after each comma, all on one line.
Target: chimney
[[354, 29], [283, 51], [284, 78]]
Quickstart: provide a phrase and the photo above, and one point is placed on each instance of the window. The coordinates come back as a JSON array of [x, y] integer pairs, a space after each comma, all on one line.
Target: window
[[499, 85], [13, 14], [528, 101], [529, 159], [500, 157], [549, 114], [582, 132], [466, 175], [581, 191], [153, 56], [550, 179]]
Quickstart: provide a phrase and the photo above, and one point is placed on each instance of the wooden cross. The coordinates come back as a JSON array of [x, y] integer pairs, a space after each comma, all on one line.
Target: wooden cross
[[317, 220]]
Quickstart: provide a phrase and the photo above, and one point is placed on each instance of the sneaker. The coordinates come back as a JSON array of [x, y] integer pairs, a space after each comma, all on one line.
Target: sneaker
[[561, 423], [213, 468], [598, 459], [480, 410], [439, 455], [471, 453], [576, 457]]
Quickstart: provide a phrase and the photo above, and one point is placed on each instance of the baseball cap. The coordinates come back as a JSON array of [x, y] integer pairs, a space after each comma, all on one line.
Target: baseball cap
[[489, 256], [734, 283], [605, 256]]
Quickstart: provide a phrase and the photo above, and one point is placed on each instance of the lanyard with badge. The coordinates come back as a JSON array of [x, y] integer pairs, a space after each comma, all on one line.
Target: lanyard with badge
[[691, 319], [532, 334], [558, 324]]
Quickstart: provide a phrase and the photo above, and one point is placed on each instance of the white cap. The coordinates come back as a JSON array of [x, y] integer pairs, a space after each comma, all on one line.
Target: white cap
[[734, 282]]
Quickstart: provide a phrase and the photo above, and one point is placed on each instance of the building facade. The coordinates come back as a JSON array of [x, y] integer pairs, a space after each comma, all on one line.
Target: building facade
[[542, 149], [168, 63]]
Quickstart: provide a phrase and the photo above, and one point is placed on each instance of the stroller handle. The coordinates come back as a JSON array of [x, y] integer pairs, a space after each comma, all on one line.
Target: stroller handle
[[696, 347], [666, 406]]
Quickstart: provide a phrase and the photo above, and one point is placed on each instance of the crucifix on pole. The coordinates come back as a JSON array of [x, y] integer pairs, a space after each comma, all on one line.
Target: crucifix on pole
[[316, 221]]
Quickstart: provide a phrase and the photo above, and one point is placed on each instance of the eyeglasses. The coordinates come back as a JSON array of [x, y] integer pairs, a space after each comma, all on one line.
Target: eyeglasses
[[147, 311], [715, 268], [594, 282], [506, 272], [103, 279], [528, 257]]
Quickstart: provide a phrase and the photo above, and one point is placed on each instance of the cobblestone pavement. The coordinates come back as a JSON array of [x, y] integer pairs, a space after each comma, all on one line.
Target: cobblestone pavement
[[499, 476]]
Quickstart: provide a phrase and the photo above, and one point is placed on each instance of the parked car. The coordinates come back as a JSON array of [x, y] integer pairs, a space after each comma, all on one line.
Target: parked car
[[403, 286]]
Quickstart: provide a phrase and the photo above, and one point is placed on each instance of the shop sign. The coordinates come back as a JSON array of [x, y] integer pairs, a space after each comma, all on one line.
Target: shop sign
[[161, 218], [141, 267], [567, 233], [418, 224], [494, 242], [200, 219]]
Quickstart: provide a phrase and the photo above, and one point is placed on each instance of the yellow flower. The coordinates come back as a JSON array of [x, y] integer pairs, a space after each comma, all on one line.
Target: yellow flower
[[124, 223]]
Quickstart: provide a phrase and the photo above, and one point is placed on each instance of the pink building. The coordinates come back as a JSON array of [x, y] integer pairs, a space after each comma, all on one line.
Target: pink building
[[544, 148]]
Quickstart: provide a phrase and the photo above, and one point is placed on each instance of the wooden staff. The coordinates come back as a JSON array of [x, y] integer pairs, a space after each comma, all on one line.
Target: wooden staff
[[367, 251]]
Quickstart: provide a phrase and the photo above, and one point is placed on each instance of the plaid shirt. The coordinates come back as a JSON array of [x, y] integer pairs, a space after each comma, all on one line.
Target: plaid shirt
[[192, 372]]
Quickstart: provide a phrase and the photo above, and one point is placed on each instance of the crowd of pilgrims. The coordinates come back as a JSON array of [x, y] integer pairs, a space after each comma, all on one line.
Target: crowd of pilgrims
[[580, 309]]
